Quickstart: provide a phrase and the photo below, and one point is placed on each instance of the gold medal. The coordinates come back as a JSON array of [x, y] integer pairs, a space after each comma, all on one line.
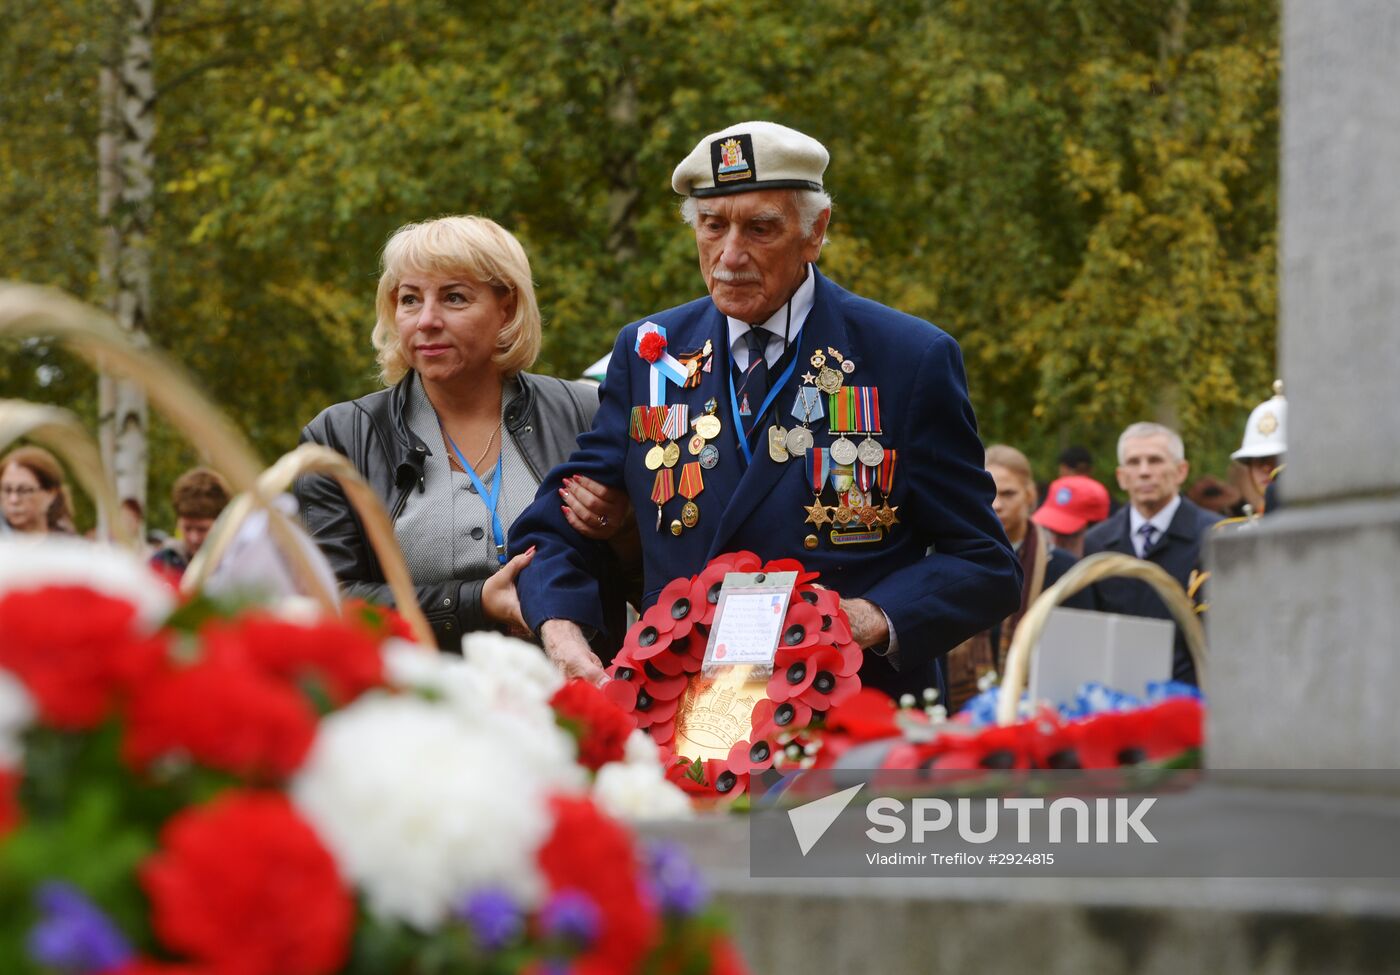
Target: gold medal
[[708, 426], [671, 454], [869, 516], [845, 515], [817, 513], [690, 514], [697, 444], [829, 380], [654, 457], [777, 444]]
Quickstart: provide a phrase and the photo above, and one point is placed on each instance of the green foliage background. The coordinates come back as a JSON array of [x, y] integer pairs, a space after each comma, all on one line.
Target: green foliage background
[[1083, 192]]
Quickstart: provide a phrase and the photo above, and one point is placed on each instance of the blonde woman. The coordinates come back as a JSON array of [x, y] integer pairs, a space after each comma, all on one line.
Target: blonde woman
[[458, 443]]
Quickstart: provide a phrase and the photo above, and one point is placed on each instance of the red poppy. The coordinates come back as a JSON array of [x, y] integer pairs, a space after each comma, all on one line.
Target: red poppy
[[676, 612], [1130, 737], [791, 565], [704, 590], [245, 886], [828, 689], [76, 650], [771, 719], [590, 853], [725, 782], [997, 747], [645, 639], [749, 757], [651, 346], [230, 718]]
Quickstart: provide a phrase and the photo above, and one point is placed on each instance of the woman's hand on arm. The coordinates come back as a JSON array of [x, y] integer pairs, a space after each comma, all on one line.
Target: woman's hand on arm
[[499, 600], [594, 510]]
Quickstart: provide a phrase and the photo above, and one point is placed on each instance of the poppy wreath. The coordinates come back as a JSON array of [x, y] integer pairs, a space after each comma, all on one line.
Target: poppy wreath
[[816, 669]]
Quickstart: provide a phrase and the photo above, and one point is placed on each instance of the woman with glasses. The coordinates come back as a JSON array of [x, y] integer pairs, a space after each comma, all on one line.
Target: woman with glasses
[[33, 497]]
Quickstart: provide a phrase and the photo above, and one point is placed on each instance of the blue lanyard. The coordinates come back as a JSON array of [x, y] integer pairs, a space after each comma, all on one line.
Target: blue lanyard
[[487, 498], [744, 447]]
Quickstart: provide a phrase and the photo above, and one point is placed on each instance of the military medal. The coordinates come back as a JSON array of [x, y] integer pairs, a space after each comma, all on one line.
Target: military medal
[[697, 444], [673, 427], [654, 421], [708, 426], [868, 421], [818, 468], [777, 444], [885, 479], [844, 452], [692, 483], [672, 454], [663, 490], [870, 453], [847, 366], [799, 441], [807, 407], [709, 456], [654, 457], [637, 428], [828, 380]]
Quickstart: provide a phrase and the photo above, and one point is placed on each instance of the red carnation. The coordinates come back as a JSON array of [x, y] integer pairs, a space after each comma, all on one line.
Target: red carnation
[[225, 717], [589, 853], [341, 658], [75, 649], [10, 812], [245, 886], [597, 723], [652, 345], [865, 717]]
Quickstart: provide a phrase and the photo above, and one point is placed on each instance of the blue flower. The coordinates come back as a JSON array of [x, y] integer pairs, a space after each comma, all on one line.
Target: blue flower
[[73, 935], [675, 880], [571, 916], [494, 918]]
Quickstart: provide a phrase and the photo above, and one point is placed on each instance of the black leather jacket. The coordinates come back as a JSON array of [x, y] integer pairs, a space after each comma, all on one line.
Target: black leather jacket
[[544, 420]]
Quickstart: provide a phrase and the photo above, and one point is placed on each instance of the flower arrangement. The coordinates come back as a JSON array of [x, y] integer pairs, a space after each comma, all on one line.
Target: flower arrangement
[[195, 788], [814, 670]]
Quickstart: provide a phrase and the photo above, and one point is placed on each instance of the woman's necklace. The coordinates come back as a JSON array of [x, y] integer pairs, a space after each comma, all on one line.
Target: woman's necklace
[[489, 441]]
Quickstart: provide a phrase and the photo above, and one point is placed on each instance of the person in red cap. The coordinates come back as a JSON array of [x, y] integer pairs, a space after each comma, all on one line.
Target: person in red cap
[[1071, 505]]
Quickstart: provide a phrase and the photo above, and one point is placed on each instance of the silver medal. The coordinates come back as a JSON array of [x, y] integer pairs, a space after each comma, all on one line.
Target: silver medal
[[799, 441], [870, 452], [844, 452]]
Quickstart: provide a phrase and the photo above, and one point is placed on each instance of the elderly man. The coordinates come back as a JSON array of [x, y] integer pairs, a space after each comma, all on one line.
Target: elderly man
[[1157, 524], [784, 415]]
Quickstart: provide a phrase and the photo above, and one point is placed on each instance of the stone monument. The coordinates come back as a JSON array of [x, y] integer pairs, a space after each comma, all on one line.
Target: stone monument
[[1305, 608]]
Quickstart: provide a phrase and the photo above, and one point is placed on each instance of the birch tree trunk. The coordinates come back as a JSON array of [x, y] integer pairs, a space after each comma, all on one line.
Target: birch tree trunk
[[125, 209]]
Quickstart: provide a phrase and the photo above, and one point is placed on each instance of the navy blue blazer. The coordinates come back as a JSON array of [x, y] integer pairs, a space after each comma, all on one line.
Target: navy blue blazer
[[1178, 551], [944, 572]]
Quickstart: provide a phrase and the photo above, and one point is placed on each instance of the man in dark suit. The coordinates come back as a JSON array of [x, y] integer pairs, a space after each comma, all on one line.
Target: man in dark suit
[[733, 423], [1157, 524]]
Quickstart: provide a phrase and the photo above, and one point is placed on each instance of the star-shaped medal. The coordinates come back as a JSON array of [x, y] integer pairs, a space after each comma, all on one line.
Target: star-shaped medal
[[888, 516], [817, 513], [808, 378]]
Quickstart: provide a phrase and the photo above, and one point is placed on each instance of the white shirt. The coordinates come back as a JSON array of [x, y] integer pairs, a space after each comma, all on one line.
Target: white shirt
[[1161, 521], [801, 304]]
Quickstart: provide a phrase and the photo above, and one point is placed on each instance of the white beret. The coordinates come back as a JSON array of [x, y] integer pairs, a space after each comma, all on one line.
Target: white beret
[[751, 156]]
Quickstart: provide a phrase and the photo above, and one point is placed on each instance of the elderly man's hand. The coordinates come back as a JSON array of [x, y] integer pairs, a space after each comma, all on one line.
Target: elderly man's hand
[[869, 628], [569, 651]]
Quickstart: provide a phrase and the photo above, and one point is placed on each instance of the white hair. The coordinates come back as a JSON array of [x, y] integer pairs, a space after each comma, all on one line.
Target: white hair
[[809, 203], [1138, 431]]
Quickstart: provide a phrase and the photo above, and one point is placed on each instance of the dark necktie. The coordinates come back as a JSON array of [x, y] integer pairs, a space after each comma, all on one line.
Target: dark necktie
[[753, 385], [1149, 535]]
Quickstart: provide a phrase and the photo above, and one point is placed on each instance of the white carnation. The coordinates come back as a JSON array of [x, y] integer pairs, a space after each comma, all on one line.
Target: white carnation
[[641, 749], [64, 561], [16, 712], [512, 669], [639, 791], [420, 808]]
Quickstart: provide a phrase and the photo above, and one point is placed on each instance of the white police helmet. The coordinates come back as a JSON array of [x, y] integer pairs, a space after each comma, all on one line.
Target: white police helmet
[[1264, 433]]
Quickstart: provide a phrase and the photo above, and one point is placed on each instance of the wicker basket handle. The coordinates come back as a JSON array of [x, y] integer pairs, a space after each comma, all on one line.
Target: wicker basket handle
[[1095, 568], [61, 431], [316, 459]]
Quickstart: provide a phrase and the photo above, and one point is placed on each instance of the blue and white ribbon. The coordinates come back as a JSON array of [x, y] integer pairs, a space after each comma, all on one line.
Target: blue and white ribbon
[[667, 367]]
